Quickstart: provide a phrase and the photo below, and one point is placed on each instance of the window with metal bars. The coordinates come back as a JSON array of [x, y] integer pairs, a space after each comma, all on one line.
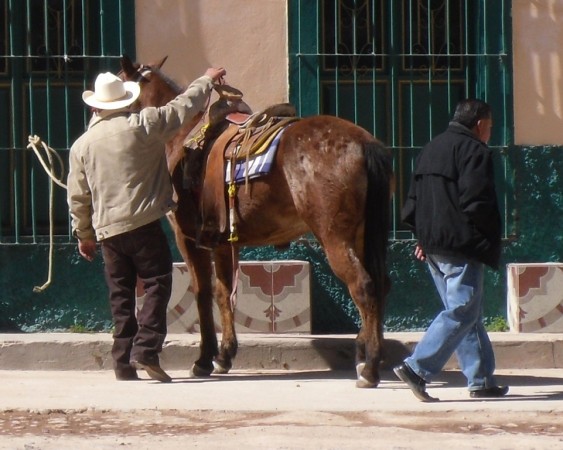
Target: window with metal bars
[[50, 52], [399, 67]]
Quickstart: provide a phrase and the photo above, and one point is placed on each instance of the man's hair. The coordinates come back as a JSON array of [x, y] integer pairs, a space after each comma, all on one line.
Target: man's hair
[[469, 111]]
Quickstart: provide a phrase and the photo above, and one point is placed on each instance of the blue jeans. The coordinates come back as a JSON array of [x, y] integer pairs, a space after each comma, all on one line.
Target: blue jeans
[[459, 327]]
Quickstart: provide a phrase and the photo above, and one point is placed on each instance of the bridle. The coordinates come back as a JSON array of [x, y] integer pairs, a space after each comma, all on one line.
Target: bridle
[[141, 73]]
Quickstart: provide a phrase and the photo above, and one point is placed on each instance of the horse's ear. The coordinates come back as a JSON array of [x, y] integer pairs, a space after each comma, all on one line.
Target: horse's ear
[[161, 63], [127, 66]]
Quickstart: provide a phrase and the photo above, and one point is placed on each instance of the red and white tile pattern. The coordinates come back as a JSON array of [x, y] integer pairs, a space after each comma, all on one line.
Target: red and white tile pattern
[[535, 297], [272, 297]]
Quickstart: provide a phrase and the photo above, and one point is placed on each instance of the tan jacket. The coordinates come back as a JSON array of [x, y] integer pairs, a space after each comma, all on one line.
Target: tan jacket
[[118, 178]]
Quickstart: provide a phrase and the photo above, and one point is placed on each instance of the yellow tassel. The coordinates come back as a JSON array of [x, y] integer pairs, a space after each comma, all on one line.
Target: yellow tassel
[[232, 190]]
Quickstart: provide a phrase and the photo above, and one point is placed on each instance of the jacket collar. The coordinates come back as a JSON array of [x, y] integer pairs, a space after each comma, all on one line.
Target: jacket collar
[[457, 127], [104, 114]]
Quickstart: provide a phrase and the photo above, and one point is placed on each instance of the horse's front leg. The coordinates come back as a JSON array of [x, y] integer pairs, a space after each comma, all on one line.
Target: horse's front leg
[[199, 265], [224, 276]]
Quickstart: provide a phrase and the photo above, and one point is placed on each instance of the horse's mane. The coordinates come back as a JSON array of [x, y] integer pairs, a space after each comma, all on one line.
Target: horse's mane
[[175, 87]]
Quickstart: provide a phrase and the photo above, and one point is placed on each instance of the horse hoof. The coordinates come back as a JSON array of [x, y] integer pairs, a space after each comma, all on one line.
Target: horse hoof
[[360, 369], [363, 382], [219, 369], [198, 372]]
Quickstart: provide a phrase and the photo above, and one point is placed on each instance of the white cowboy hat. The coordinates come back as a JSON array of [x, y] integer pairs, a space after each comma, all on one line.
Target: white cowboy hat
[[110, 92]]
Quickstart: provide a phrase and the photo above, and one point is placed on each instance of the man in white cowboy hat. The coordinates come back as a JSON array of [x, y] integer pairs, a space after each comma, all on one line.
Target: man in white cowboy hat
[[118, 190]]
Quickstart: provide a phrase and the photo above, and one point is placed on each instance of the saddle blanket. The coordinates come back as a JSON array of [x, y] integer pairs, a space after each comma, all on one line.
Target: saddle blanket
[[255, 166]]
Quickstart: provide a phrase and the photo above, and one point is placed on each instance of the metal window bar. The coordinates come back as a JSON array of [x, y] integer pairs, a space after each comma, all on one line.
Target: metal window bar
[[462, 61], [43, 85]]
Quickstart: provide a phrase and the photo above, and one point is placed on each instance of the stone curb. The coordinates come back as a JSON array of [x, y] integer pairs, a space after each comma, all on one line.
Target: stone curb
[[71, 351]]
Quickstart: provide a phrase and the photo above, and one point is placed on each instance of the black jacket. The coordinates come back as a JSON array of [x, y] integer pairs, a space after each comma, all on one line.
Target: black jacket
[[452, 205]]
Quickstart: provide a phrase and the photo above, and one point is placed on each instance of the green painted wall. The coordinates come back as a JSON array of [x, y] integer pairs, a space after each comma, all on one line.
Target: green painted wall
[[77, 295]]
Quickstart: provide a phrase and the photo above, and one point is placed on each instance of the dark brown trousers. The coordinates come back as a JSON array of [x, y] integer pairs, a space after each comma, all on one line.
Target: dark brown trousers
[[143, 253]]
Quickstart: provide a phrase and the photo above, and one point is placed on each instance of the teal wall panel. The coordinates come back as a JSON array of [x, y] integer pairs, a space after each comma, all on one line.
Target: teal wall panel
[[78, 295]]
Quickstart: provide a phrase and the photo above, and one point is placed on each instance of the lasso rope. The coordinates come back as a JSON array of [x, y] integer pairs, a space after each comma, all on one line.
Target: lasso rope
[[35, 143]]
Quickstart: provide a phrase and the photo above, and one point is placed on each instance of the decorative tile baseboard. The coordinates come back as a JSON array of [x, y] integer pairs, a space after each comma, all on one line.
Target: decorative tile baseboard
[[535, 297], [272, 297]]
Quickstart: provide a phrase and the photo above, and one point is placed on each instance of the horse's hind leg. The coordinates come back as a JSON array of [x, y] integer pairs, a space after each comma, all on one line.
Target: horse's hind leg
[[346, 264]]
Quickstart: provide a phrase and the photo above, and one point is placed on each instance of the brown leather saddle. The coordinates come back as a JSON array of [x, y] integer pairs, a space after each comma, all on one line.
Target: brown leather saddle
[[245, 136]]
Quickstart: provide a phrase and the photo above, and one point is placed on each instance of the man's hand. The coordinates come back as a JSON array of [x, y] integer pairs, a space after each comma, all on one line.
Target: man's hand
[[216, 74], [87, 248], [419, 253]]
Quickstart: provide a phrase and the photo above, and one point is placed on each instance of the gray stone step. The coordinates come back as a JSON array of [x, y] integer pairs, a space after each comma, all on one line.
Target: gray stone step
[[72, 351]]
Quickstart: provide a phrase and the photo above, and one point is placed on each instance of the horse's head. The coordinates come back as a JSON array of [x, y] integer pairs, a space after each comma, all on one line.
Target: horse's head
[[156, 88]]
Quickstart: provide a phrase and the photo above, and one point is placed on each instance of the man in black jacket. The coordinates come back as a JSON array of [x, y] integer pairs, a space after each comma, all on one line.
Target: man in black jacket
[[452, 209]]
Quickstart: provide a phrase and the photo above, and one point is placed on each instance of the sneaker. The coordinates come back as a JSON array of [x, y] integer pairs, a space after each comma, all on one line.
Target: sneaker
[[491, 392], [414, 382]]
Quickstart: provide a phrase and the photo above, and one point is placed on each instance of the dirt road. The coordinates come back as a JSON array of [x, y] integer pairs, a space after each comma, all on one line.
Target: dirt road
[[63, 410]]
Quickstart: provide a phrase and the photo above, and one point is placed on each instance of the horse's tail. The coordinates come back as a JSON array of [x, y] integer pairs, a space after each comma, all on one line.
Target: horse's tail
[[377, 215]]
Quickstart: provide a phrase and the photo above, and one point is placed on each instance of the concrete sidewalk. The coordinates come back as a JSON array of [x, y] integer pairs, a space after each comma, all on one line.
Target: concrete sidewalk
[[71, 351], [285, 392]]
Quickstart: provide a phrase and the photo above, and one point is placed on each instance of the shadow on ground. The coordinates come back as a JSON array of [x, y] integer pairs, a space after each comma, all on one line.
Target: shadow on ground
[[339, 353]]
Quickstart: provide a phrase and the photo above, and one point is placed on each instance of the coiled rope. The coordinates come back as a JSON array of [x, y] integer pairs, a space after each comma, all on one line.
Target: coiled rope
[[45, 156]]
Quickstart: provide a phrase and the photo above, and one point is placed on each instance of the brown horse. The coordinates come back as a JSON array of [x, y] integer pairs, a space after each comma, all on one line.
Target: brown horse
[[329, 177]]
